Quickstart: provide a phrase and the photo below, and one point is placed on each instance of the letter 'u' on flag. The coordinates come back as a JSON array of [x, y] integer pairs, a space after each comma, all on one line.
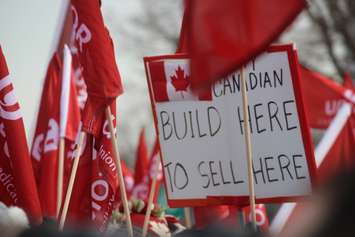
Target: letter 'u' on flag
[[171, 81], [243, 30]]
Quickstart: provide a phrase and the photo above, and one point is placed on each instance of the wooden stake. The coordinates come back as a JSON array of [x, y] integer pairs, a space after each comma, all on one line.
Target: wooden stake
[[150, 202], [119, 169], [60, 174], [248, 148], [71, 181], [188, 219]]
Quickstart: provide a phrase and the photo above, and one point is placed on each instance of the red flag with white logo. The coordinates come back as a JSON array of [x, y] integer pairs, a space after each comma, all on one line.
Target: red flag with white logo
[[262, 220], [96, 54], [104, 177], [243, 30], [17, 183], [323, 97], [171, 81], [45, 146]]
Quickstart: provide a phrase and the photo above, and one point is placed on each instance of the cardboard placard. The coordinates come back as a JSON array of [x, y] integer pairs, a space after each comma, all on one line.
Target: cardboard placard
[[201, 135]]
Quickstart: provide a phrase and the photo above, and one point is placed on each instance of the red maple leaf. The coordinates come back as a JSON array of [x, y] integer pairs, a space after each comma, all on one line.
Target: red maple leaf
[[180, 81]]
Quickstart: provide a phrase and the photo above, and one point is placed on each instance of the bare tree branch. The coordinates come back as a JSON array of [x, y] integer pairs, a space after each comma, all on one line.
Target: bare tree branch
[[325, 31]]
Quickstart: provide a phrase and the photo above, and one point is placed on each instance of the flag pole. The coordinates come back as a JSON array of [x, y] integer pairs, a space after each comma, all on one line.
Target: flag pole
[[187, 214], [64, 105], [71, 181], [60, 174], [150, 201], [119, 169], [248, 148]]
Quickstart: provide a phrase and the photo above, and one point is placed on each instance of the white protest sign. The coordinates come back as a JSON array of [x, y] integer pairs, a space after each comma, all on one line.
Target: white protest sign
[[201, 136]]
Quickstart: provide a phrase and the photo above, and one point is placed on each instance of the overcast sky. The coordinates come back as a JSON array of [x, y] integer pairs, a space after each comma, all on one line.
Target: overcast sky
[[27, 36]]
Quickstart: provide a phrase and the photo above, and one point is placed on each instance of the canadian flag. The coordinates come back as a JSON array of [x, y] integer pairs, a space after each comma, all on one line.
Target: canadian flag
[[262, 220], [17, 183], [171, 81]]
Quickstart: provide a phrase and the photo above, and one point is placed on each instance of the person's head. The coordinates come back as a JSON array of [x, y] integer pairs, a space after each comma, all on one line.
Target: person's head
[[13, 220], [330, 212]]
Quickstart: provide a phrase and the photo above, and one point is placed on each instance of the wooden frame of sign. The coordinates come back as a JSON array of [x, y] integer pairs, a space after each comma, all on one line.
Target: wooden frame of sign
[[201, 135]]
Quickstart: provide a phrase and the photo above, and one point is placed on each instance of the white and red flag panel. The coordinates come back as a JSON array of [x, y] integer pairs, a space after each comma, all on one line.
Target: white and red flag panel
[[45, 145]]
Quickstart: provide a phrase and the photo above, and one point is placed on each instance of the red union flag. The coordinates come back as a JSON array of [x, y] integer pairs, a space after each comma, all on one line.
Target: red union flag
[[262, 221], [104, 177], [243, 30], [45, 146], [323, 97], [96, 54], [17, 183], [171, 81]]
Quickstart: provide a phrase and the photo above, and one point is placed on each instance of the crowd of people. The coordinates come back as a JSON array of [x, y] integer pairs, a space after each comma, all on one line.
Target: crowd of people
[[329, 212]]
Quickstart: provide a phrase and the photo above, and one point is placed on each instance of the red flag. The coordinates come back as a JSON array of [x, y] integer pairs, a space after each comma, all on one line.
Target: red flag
[[104, 180], [44, 152], [96, 184], [104, 177], [243, 30], [17, 183], [323, 97], [262, 220], [348, 82], [205, 216], [341, 154], [141, 190], [96, 54], [339, 157], [142, 161]]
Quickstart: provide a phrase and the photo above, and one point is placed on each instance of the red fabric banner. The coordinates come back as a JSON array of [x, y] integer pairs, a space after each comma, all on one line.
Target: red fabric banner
[[96, 54], [205, 216], [243, 30], [45, 145], [141, 189], [322, 96], [142, 160], [17, 182]]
